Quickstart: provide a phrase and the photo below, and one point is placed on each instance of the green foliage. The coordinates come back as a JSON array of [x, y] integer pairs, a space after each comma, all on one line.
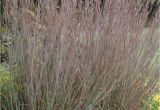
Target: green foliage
[[4, 77], [3, 49], [3, 29], [152, 103], [5, 44], [155, 104], [4, 52]]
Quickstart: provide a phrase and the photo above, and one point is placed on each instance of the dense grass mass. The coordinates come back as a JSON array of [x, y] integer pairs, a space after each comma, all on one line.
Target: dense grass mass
[[79, 58]]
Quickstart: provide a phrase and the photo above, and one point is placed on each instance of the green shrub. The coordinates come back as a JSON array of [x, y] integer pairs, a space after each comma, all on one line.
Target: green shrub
[[4, 78], [153, 103]]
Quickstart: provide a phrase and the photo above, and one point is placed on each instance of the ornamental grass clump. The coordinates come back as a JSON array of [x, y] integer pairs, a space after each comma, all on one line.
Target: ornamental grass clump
[[80, 58]]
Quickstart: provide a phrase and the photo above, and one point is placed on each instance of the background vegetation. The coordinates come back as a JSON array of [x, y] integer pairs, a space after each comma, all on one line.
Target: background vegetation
[[78, 58]]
